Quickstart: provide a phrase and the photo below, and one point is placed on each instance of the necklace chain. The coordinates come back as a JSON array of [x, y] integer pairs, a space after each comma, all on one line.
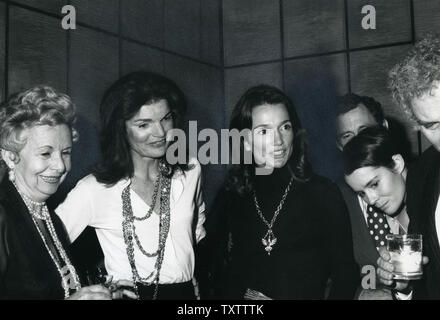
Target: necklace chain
[[269, 239], [44, 215], [153, 202], [129, 232]]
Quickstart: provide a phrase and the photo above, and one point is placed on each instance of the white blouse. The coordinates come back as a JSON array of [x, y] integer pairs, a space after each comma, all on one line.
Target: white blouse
[[94, 204]]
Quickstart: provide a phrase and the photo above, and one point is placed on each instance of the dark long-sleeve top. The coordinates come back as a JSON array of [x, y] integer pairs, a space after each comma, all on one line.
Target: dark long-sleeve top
[[26, 269], [313, 234]]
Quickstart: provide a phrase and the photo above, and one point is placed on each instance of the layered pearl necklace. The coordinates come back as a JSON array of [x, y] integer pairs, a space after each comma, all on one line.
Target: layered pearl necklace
[[38, 210]]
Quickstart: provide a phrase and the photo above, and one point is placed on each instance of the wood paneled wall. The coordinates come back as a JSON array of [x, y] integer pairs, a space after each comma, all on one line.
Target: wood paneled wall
[[214, 50]]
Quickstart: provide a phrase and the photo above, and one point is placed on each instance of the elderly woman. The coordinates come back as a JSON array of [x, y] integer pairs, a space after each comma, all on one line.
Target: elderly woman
[[148, 214], [376, 171], [36, 131], [287, 232]]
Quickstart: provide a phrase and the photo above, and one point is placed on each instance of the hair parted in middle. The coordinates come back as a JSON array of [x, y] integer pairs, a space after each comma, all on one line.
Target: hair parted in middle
[[240, 177], [120, 103]]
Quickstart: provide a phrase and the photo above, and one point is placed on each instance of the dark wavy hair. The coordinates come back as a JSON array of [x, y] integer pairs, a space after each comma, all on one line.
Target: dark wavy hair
[[240, 177], [120, 103], [351, 101], [371, 147]]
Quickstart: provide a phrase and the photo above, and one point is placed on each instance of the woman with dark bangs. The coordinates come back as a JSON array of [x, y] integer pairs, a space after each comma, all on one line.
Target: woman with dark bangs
[[375, 170], [284, 235], [148, 214]]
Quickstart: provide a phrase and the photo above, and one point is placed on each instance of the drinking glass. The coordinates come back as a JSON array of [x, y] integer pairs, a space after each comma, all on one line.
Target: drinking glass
[[406, 255]]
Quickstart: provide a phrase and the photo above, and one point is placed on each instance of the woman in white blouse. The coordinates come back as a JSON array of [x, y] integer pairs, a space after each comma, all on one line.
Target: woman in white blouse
[[148, 214]]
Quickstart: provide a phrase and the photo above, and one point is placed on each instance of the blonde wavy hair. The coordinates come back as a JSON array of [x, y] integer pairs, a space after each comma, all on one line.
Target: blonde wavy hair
[[41, 105], [417, 73]]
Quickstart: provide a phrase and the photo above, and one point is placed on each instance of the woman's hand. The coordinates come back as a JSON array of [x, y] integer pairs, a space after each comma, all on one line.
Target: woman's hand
[[386, 268], [123, 288], [95, 292]]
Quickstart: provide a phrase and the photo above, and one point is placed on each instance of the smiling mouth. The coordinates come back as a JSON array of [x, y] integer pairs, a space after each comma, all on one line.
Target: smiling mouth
[[159, 143], [50, 179], [279, 154]]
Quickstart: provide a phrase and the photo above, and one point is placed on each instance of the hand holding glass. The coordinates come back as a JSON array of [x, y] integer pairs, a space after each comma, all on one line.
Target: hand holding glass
[[406, 255]]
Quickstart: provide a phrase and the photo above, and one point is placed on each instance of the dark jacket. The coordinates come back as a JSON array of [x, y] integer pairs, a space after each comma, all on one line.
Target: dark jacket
[[364, 247], [423, 189], [26, 269]]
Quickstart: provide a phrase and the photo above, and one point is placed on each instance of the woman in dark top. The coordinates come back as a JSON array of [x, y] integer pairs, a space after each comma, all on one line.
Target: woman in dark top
[[36, 133], [282, 235]]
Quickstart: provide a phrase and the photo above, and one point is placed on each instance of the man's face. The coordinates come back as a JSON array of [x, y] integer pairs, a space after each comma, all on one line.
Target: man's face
[[349, 124], [426, 110]]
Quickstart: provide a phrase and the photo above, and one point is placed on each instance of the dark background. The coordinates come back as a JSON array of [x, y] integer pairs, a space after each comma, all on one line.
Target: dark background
[[214, 50]]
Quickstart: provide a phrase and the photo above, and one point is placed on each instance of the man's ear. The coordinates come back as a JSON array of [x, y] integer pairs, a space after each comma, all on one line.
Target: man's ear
[[385, 123], [399, 163]]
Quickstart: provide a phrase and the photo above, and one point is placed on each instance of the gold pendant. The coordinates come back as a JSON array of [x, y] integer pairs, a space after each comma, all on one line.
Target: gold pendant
[[269, 241]]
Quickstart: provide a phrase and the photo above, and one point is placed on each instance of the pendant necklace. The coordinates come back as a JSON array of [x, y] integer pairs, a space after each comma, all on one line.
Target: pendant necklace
[[269, 239]]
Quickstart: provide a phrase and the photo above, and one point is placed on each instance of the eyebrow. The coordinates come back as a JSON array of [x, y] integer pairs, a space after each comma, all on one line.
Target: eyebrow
[[268, 126], [44, 147], [423, 123], [150, 120], [142, 120], [345, 132], [261, 126], [170, 112]]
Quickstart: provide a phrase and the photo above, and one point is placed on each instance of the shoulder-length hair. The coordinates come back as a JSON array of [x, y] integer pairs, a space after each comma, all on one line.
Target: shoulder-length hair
[[371, 147], [240, 177], [120, 103]]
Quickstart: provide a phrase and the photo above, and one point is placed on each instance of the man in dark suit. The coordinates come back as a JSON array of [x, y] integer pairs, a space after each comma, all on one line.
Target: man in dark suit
[[355, 113], [415, 85]]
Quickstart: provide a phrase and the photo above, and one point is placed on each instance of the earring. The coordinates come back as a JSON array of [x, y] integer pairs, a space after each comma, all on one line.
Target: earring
[[11, 175]]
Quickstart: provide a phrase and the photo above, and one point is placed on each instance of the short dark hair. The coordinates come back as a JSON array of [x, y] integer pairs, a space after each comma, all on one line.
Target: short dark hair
[[240, 178], [372, 147], [351, 101], [120, 103]]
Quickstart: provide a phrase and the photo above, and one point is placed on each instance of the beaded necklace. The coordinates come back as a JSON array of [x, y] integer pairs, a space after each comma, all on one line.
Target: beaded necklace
[[38, 210], [129, 231]]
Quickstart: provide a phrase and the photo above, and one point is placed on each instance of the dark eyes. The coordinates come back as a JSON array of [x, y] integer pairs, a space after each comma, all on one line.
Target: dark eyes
[[48, 154], [347, 136]]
